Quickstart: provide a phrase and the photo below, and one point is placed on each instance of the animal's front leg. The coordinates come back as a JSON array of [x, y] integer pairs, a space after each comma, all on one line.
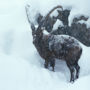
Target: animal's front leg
[[46, 64], [52, 63]]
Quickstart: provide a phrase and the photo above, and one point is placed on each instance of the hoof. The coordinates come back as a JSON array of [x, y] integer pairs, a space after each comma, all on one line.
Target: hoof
[[53, 69], [45, 66], [72, 81], [77, 77]]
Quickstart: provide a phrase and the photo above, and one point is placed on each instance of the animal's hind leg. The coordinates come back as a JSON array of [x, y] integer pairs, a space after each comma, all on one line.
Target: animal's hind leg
[[77, 67], [72, 71]]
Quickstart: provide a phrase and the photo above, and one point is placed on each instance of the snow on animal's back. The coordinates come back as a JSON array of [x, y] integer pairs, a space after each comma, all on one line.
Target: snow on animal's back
[[63, 41]]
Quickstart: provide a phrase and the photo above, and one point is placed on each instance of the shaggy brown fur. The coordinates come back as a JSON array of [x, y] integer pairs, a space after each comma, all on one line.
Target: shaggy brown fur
[[62, 47]]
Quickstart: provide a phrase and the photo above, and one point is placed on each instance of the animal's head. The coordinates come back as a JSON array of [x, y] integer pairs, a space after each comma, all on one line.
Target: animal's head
[[37, 31]]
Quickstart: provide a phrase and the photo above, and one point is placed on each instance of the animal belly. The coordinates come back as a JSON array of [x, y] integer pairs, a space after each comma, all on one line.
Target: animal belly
[[60, 54]]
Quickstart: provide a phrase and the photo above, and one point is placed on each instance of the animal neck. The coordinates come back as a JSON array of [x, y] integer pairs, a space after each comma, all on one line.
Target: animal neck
[[38, 43]]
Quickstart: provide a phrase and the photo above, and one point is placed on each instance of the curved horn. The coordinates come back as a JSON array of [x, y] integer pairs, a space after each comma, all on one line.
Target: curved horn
[[32, 25], [53, 10], [26, 8], [44, 19]]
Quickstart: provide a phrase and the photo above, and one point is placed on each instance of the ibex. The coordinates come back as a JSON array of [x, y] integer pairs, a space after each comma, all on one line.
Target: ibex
[[51, 47]]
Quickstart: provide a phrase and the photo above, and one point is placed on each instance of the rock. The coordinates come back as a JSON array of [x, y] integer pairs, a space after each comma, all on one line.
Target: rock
[[77, 30]]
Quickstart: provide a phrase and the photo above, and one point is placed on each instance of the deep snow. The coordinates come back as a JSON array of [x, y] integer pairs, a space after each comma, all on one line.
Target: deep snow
[[21, 68]]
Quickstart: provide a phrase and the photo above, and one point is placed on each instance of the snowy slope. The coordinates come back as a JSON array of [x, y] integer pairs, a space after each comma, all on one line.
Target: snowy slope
[[21, 68]]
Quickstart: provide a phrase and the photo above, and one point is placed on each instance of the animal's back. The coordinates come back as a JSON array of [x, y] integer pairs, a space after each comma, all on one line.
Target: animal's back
[[63, 46]]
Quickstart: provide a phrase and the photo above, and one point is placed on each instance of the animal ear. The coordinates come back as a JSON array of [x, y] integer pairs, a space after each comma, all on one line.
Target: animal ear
[[39, 18]]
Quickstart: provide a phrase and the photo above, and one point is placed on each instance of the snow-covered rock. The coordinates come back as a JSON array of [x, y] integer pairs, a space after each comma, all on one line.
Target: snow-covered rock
[[57, 24]]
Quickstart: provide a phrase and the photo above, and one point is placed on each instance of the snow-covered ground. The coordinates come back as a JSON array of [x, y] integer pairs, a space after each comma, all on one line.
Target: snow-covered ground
[[21, 68]]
